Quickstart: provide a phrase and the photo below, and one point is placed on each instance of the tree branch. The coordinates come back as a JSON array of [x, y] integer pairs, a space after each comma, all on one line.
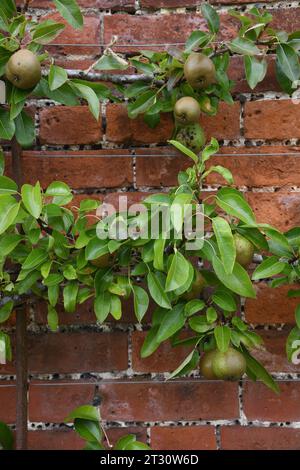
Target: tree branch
[[107, 77]]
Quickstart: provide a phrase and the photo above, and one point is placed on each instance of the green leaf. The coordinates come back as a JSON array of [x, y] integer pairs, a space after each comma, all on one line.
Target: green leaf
[[88, 412], [288, 61], [200, 324], [178, 272], [221, 170], [193, 306], [225, 243], [46, 31], [189, 364], [137, 445], [8, 243], [178, 210], [52, 318], [70, 296], [70, 11], [102, 306], [25, 130], [233, 202], [69, 272], [7, 186], [35, 258], [115, 307], [196, 40], [258, 371], [238, 281], [90, 96], [141, 104], [6, 310], [32, 199], [285, 83], [141, 302], [124, 441], [88, 430], [9, 209], [211, 17], [96, 248], [224, 300], [7, 127], [183, 149], [243, 46], [268, 268], [53, 294], [211, 315], [157, 290], [53, 280], [173, 321], [222, 337], [111, 61], [150, 343], [159, 246], [57, 77], [6, 435], [255, 70]]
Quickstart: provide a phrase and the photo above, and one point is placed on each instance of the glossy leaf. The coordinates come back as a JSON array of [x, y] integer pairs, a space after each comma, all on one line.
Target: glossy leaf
[[141, 302], [222, 337], [173, 321], [178, 272], [70, 10], [157, 290], [225, 243], [268, 268], [238, 281], [32, 199]]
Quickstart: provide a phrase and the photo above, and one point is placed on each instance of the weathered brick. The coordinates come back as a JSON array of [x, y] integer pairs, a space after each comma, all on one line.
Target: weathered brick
[[8, 401], [165, 359], [271, 305], [189, 3], [67, 353], [183, 438], [255, 438], [280, 209], [159, 29], [122, 129], [263, 404], [56, 439], [90, 34], [272, 119], [88, 169], [193, 400], [250, 166], [101, 4], [52, 401], [236, 72], [69, 125]]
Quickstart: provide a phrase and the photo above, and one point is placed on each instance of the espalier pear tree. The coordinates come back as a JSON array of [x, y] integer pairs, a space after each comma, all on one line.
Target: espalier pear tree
[[51, 253]]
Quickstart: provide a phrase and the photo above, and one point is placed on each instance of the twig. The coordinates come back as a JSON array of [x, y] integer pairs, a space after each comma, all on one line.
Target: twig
[[25, 6]]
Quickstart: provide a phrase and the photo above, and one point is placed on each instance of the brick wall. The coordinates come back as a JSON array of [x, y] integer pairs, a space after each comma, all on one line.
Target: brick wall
[[88, 363]]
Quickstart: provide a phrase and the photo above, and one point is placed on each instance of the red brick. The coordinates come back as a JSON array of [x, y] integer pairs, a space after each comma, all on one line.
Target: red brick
[[154, 29], [51, 402], [148, 401], [250, 166], [271, 305], [225, 125], [274, 356], [165, 359], [272, 119], [280, 209], [69, 125], [122, 129], [183, 438], [68, 353], [263, 404], [101, 4], [87, 169], [8, 401], [90, 34], [254, 438], [189, 3], [56, 439]]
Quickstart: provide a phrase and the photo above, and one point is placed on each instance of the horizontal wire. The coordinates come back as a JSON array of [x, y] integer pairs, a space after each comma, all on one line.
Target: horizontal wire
[[56, 382], [157, 155], [119, 45]]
